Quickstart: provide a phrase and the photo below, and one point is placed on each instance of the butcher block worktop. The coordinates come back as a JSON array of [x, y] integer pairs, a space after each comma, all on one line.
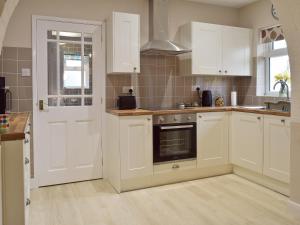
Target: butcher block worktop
[[17, 125], [140, 112]]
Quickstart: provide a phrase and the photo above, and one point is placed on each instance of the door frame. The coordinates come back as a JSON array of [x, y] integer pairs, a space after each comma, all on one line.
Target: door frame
[[35, 109]]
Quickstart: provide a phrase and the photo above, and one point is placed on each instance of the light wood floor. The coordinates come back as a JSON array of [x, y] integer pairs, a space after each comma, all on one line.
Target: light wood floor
[[224, 200]]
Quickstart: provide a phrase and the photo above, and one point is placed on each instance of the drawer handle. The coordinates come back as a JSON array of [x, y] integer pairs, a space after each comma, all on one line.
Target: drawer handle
[[27, 161], [200, 117], [28, 202], [149, 119], [175, 166], [259, 118], [26, 141], [282, 121]]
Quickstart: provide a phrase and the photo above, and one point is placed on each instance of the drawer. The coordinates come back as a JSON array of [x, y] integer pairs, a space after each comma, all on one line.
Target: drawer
[[175, 166]]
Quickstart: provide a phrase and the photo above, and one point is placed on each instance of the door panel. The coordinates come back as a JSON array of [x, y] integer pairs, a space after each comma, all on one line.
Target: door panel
[[212, 139], [277, 148], [69, 126], [207, 49], [247, 141]]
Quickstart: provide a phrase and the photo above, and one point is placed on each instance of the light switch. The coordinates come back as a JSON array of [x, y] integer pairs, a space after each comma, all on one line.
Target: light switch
[[26, 72]]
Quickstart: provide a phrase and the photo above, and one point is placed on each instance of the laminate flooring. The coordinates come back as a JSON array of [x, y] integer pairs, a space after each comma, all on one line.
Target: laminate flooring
[[222, 200]]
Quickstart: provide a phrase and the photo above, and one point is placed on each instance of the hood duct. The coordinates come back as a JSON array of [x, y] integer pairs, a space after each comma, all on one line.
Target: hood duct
[[159, 43]]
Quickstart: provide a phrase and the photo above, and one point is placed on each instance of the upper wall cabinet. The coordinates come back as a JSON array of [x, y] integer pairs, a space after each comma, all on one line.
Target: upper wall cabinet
[[216, 50], [123, 43]]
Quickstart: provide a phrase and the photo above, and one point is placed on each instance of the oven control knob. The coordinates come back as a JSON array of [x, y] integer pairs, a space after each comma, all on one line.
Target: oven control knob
[[189, 118], [161, 119]]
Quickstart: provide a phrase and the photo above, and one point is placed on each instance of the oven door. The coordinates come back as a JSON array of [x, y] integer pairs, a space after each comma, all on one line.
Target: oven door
[[174, 142]]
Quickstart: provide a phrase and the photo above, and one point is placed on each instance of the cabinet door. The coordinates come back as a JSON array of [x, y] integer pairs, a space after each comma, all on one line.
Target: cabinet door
[[212, 139], [277, 148], [236, 51], [207, 49], [247, 141], [136, 146], [126, 43]]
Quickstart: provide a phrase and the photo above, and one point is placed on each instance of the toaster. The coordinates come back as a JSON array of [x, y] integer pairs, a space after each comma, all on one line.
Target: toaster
[[126, 102]]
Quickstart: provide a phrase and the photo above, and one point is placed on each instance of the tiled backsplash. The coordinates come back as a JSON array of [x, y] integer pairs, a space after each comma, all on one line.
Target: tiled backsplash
[[12, 61]]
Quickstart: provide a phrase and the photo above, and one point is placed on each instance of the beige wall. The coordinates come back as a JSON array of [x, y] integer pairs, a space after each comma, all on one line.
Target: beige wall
[[289, 12], [19, 29]]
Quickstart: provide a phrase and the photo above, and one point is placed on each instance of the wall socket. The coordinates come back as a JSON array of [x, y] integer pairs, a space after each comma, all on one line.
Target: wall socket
[[125, 89], [194, 87]]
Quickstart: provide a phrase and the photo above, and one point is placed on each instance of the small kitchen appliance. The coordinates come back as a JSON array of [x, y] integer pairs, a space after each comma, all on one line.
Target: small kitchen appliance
[[207, 98]]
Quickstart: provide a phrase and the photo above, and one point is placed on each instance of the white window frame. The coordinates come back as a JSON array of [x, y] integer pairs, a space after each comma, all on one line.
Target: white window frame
[[269, 52]]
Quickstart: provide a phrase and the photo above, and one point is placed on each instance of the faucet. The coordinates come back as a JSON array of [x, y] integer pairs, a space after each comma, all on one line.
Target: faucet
[[283, 85]]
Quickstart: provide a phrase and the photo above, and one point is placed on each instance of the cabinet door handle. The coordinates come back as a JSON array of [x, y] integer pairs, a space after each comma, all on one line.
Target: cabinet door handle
[[200, 117], [259, 118], [149, 119], [175, 166], [28, 202], [27, 161], [220, 71], [226, 71], [28, 132], [282, 121], [26, 141], [134, 69]]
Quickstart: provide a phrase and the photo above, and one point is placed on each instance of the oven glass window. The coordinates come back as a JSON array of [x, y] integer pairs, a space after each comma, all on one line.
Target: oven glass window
[[175, 143]]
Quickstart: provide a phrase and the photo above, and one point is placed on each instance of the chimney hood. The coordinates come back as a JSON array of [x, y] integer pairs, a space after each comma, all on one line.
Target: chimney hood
[[159, 44]]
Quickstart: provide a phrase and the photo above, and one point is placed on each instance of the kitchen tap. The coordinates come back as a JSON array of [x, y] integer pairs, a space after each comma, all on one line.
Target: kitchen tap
[[283, 85]]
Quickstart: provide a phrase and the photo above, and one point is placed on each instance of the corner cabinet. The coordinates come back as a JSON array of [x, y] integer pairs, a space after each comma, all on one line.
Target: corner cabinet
[[212, 139], [216, 50], [123, 43], [277, 148], [247, 141]]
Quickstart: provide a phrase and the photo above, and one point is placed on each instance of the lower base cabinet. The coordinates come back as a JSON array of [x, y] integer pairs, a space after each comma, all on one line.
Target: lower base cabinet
[[277, 148], [247, 140], [212, 139], [15, 159]]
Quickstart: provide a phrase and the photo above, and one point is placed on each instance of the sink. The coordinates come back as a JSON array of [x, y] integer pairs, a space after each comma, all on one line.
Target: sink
[[253, 107], [283, 106]]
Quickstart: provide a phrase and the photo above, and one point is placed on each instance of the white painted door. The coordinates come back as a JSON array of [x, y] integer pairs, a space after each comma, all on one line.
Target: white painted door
[[236, 51], [277, 148], [212, 139], [124, 43], [136, 146], [247, 141], [207, 49], [70, 78]]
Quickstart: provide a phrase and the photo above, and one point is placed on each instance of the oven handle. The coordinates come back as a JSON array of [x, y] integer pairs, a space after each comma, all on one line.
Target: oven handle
[[176, 127]]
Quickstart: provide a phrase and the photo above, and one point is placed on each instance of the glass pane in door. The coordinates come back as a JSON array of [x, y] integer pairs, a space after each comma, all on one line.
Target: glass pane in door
[[52, 68], [88, 69], [69, 36], [70, 68]]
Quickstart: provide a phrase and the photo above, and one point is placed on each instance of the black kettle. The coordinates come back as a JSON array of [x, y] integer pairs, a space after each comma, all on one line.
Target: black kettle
[[207, 98]]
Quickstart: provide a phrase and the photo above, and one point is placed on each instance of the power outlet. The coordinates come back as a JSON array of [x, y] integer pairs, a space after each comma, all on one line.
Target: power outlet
[[194, 87], [125, 89]]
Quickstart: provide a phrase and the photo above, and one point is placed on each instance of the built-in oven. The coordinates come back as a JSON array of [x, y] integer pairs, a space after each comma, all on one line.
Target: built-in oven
[[174, 137]]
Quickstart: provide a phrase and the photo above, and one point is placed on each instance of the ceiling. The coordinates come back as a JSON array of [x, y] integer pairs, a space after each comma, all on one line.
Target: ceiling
[[229, 3]]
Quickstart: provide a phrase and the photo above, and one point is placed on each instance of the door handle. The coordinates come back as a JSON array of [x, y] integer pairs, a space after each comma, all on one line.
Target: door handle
[[41, 105]]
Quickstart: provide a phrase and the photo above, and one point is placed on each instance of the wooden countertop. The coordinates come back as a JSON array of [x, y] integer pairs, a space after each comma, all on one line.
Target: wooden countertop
[[17, 125], [140, 112]]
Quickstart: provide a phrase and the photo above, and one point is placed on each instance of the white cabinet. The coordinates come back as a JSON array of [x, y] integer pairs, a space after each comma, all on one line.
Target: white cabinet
[[247, 141], [136, 146], [15, 159], [123, 43], [277, 148], [236, 51], [216, 50], [212, 139]]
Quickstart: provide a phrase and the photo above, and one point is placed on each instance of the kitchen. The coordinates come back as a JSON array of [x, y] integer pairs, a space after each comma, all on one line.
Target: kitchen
[[132, 149]]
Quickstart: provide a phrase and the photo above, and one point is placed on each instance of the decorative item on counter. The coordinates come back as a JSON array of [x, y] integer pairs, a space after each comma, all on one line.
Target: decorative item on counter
[[4, 123], [219, 102], [233, 98]]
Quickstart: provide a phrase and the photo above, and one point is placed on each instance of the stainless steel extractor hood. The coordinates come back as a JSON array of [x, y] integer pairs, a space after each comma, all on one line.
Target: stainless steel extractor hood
[[159, 44]]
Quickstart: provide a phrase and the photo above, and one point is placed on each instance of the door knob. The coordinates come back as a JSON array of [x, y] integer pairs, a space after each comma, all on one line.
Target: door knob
[[41, 105]]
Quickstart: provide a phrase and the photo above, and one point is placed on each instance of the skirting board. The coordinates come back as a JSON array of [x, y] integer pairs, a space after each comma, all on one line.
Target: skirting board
[[295, 209], [268, 182]]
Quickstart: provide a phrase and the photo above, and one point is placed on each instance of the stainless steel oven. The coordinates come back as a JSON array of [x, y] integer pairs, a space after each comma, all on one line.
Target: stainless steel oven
[[174, 137]]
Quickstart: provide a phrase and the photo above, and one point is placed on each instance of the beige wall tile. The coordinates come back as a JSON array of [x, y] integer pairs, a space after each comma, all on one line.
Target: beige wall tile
[[10, 53], [25, 93], [24, 81], [25, 64], [24, 54], [11, 79], [10, 66], [25, 105]]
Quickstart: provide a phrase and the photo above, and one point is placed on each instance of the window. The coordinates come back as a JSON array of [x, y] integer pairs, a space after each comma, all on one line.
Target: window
[[277, 66]]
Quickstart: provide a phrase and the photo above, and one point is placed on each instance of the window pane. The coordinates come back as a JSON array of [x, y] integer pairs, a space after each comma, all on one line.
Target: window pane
[[279, 66], [88, 37], [52, 68], [69, 36], [88, 101], [88, 69], [52, 101], [70, 69], [52, 34], [279, 44], [70, 101]]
